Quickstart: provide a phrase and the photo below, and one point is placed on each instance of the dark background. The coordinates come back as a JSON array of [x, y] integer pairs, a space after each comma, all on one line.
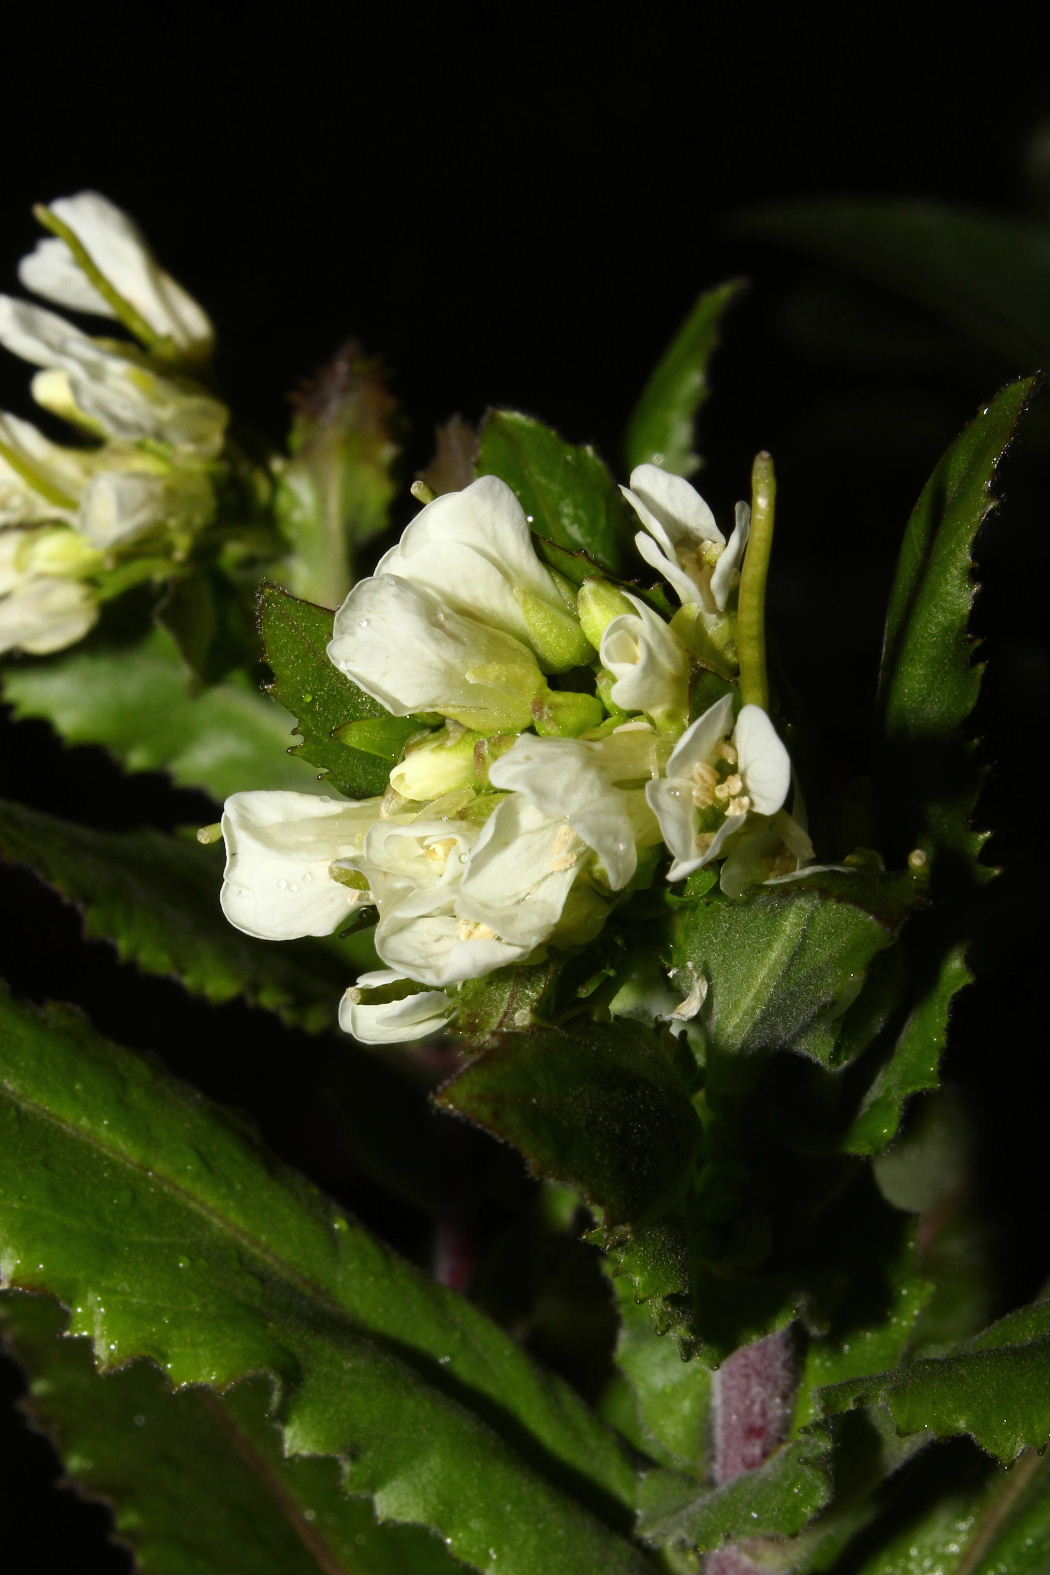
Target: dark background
[[518, 207]]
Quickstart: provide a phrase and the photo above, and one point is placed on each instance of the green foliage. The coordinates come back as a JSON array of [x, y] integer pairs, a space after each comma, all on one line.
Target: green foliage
[[325, 702], [928, 683], [990, 1386], [983, 274], [1001, 1528], [672, 1398], [336, 490], [913, 1063], [777, 1500], [135, 698], [198, 1482], [156, 898], [661, 428], [784, 965], [170, 1235], [566, 491]]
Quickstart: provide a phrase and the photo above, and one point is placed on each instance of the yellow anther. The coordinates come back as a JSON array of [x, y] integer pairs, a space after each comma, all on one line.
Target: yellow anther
[[738, 806], [722, 792], [474, 930], [735, 784], [727, 751]]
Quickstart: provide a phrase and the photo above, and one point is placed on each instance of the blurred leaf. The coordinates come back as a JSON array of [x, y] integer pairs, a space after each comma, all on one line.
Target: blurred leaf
[[324, 701], [135, 699], [1003, 1530], [566, 492], [983, 274], [661, 429], [928, 683], [156, 898], [992, 1386], [197, 1483], [914, 1061], [336, 490], [169, 1234], [783, 965]]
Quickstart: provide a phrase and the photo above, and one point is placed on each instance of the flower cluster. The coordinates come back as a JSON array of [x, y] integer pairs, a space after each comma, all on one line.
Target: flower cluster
[[81, 521], [555, 757]]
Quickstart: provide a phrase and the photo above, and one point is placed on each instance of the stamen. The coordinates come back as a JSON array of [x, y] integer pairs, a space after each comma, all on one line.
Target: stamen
[[474, 930], [735, 784], [722, 792], [727, 751], [738, 806], [704, 840]]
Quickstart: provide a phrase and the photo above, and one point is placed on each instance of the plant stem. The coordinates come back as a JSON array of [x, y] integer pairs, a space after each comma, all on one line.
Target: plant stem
[[751, 614]]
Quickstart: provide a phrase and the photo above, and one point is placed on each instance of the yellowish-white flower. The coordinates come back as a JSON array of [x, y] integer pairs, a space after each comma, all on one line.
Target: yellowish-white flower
[[111, 389], [395, 1017], [118, 251], [681, 540], [410, 651], [474, 551], [45, 615], [594, 787], [280, 851], [649, 665], [717, 775]]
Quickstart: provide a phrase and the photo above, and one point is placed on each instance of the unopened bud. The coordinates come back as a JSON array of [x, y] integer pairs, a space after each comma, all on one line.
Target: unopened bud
[[599, 603]]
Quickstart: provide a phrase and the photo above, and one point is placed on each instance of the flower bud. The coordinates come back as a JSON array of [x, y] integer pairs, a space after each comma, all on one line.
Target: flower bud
[[599, 603]]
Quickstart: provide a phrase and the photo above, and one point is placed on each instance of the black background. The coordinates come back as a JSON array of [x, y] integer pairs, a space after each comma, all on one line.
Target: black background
[[517, 206]]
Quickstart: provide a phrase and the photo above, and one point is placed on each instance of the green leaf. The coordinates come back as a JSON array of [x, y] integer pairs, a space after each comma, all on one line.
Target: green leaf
[[135, 699], [777, 1500], [783, 965], [672, 1397], [928, 683], [603, 1109], [661, 429], [567, 492], [1002, 1530], [981, 273], [324, 701], [336, 490], [156, 897], [199, 1483], [170, 1235], [991, 1386], [914, 1062]]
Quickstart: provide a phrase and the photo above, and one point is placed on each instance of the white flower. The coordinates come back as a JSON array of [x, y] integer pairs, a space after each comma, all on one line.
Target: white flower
[[683, 542], [649, 664], [120, 506], [713, 783], [408, 650], [119, 251], [39, 480], [577, 783], [768, 851], [416, 1015], [45, 615], [473, 550], [521, 871], [280, 847], [111, 390]]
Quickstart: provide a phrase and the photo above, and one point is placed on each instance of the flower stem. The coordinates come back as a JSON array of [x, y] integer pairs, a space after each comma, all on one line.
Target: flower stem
[[751, 617]]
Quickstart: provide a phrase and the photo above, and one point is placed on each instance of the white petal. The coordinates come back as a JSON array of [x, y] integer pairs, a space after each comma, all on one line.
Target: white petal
[[698, 741], [763, 762], [683, 585], [279, 847], [410, 652], [520, 873], [46, 615], [569, 780], [119, 506], [671, 505], [415, 866], [473, 549], [119, 251], [731, 559], [64, 469], [417, 1016], [441, 948], [648, 661], [671, 801], [122, 397]]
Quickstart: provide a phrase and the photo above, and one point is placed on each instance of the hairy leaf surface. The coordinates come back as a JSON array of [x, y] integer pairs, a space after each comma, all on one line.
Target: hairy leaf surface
[[170, 1235], [325, 702], [199, 1483], [565, 490]]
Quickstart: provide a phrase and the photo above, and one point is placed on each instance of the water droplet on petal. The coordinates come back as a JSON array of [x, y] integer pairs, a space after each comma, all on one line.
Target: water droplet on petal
[[282, 885]]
